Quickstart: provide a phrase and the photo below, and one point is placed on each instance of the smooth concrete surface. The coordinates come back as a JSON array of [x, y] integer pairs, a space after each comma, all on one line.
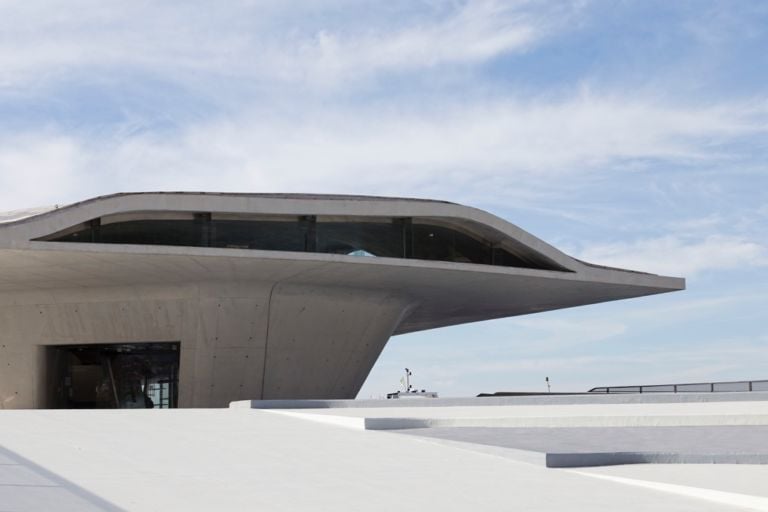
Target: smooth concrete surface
[[539, 399], [569, 435], [724, 498], [745, 480], [581, 459], [442, 293], [732, 439], [189, 459], [263, 324], [580, 447], [26, 486], [544, 416]]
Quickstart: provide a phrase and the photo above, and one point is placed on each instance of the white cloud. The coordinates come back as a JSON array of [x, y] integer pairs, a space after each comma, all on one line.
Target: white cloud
[[501, 149], [474, 141], [186, 42], [706, 223], [43, 168], [477, 32], [680, 256], [554, 334], [504, 148]]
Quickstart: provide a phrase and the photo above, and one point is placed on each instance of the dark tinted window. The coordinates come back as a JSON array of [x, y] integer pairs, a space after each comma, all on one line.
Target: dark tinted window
[[445, 244], [141, 232], [390, 238], [383, 239], [262, 235]]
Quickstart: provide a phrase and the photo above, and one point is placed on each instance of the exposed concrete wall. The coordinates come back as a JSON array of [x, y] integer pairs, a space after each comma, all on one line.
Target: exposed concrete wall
[[309, 342], [322, 342]]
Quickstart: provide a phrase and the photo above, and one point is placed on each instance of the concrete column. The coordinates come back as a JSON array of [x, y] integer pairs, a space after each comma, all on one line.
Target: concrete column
[[322, 342]]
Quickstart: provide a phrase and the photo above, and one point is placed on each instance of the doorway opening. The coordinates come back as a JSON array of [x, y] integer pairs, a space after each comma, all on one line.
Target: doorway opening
[[114, 376]]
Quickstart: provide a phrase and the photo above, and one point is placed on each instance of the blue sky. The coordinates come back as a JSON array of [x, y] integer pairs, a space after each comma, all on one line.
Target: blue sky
[[632, 134]]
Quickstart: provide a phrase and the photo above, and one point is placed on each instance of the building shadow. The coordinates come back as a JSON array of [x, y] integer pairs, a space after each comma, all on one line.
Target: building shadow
[[26, 486]]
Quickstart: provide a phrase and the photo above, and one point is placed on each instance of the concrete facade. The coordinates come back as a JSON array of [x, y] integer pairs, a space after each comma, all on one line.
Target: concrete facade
[[256, 323]]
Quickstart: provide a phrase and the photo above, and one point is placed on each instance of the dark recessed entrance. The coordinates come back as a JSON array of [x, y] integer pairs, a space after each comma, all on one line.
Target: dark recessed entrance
[[114, 376]]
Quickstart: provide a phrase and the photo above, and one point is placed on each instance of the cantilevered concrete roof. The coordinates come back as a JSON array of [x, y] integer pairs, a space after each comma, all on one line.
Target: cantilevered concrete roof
[[442, 293]]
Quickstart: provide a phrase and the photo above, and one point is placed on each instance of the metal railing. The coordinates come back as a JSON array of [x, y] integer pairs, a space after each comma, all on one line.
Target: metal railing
[[693, 387]]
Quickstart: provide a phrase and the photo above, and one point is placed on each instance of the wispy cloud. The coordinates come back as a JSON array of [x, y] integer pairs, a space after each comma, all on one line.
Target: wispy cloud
[[680, 256], [554, 334], [261, 41], [44, 166], [385, 150], [475, 33]]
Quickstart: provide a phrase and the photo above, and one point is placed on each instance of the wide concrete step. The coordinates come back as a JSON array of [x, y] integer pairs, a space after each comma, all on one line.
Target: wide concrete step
[[543, 416]]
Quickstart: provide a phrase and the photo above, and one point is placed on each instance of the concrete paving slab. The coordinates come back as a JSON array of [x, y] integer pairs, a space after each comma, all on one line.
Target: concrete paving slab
[[581, 459], [539, 399], [583, 447], [692, 440], [26, 486], [191, 459], [574, 410], [545, 416], [742, 501], [750, 480]]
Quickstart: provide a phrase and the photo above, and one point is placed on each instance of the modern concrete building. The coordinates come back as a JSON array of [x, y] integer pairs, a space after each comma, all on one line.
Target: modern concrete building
[[197, 299]]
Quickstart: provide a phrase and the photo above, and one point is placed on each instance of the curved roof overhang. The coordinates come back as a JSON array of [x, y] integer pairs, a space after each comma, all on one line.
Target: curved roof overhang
[[442, 293]]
